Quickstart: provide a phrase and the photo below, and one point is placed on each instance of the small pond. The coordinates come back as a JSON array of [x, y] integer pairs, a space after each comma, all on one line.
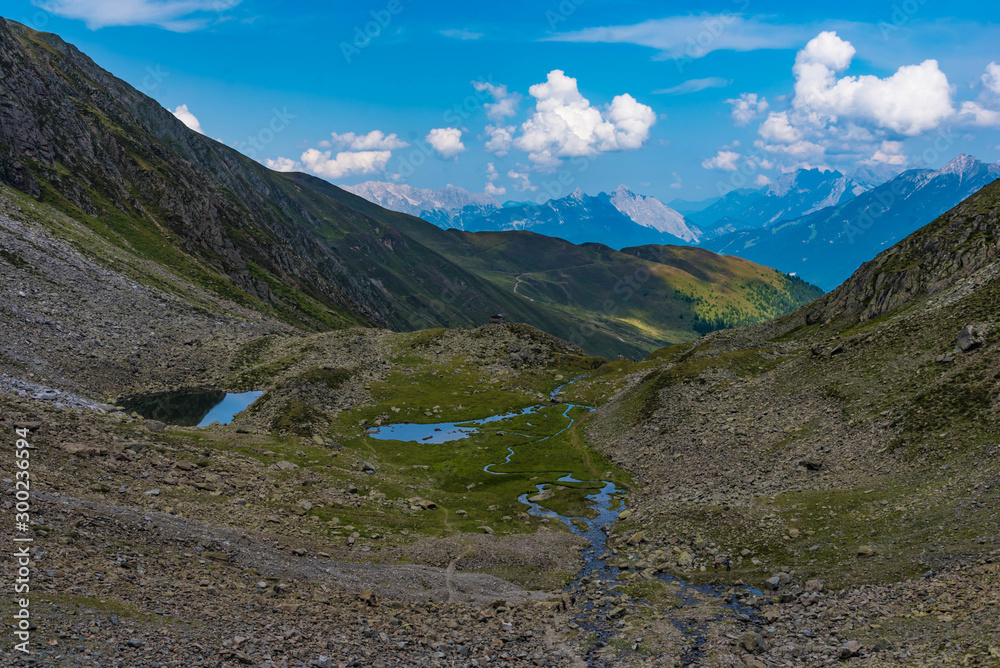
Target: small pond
[[190, 408]]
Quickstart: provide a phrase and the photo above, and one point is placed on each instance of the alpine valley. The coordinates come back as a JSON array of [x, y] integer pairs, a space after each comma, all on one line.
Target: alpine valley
[[252, 418]]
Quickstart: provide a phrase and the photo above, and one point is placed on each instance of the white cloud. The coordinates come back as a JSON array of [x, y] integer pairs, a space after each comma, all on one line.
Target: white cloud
[[523, 180], [723, 160], [500, 139], [855, 119], [914, 100], [890, 153], [564, 123], [504, 102], [282, 165], [676, 183], [747, 107], [344, 163], [777, 128], [175, 15], [976, 114], [376, 140], [991, 79], [763, 180], [692, 36], [694, 85], [185, 116], [459, 33], [491, 176], [446, 141]]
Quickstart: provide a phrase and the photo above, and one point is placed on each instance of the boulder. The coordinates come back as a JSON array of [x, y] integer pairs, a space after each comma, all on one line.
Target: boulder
[[970, 338], [866, 551], [753, 642], [637, 538], [850, 649]]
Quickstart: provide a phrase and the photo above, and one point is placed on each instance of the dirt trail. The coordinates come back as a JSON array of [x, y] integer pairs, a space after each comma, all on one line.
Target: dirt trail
[[517, 282]]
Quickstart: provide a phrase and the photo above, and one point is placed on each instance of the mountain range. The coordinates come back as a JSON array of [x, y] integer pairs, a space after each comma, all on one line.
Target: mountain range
[[826, 245], [798, 223], [621, 218]]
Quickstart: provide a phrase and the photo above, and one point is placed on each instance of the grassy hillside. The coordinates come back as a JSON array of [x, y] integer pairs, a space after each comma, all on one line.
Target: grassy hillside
[[653, 295]]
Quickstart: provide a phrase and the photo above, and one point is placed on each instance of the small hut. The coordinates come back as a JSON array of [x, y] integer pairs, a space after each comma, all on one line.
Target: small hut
[[498, 319]]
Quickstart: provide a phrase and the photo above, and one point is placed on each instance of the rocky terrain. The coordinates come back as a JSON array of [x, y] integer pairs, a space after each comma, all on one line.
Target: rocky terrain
[[843, 457]]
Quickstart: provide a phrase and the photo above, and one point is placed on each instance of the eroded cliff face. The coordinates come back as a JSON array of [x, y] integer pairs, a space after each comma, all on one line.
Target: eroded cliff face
[[955, 245]]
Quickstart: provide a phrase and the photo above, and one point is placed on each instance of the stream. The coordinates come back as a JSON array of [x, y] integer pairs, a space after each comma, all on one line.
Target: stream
[[596, 574]]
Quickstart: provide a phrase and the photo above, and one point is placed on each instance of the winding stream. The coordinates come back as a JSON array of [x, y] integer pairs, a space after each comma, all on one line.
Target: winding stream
[[606, 505]]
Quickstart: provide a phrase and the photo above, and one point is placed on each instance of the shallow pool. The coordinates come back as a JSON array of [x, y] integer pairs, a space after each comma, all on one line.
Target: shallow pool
[[191, 408]]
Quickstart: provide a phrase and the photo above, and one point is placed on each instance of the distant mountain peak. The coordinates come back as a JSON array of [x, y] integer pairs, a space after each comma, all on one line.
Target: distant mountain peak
[[651, 212], [445, 202], [961, 165], [577, 194]]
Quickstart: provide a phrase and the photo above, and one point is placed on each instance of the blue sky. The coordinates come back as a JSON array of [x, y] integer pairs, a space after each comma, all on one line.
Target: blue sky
[[528, 100]]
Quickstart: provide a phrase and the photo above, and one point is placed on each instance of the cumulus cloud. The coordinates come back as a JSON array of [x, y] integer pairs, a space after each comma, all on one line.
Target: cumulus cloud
[[500, 139], [723, 160], [523, 180], [344, 163], [694, 85], [282, 164], [504, 102], [185, 116], [915, 99], [747, 107], [376, 140], [763, 180], [991, 79], [175, 15], [447, 142], [565, 124], [889, 153], [677, 181], [778, 128], [491, 176], [838, 117], [974, 113]]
